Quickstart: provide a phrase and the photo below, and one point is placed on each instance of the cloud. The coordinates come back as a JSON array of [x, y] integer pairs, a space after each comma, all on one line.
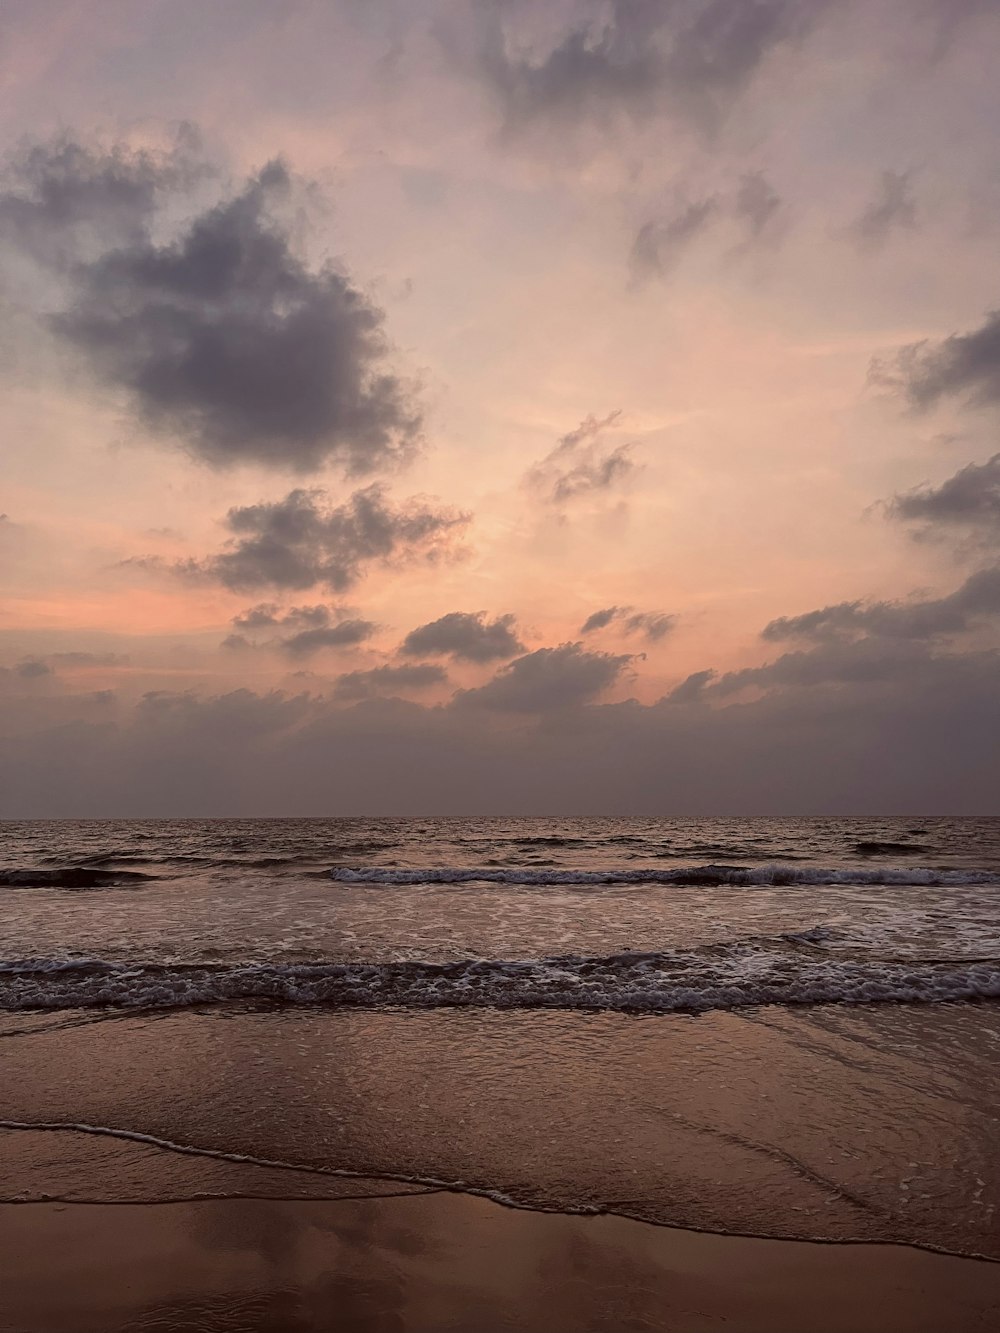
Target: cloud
[[39, 665], [968, 502], [977, 599], [659, 244], [347, 634], [222, 337], [269, 615], [80, 659], [581, 463], [655, 625], [315, 627], [756, 204], [893, 208], [262, 616], [951, 16], [890, 662], [550, 678], [466, 636], [691, 688], [302, 542], [240, 717], [359, 685], [44, 665], [643, 60], [920, 738], [32, 668], [64, 202], [852, 643], [965, 365], [601, 619]]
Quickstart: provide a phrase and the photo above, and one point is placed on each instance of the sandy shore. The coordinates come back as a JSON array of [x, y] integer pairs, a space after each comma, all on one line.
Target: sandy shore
[[692, 1135], [446, 1261]]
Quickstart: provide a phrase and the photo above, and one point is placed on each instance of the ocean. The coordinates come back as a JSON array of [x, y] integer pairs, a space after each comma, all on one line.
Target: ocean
[[631, 915], [771, 1027]]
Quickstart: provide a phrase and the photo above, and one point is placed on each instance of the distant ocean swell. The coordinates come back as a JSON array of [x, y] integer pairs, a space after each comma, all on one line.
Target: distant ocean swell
[[690, 875], [790, 970]]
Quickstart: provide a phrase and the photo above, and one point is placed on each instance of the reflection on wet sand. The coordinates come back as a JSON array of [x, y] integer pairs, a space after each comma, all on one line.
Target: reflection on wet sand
[[436, 1262]]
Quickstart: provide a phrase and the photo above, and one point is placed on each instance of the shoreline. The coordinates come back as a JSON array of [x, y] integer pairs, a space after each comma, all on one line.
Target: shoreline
[[423, 1189], [719, 1126]]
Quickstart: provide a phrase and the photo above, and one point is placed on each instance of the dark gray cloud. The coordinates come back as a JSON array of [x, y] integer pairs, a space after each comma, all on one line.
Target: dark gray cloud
[[920, 738], [893, 208], [80, 659], [44, 665], [167, 716], [466, 636], [347, 634], [63, 201], [48, 664], [874, 660], [654, 625], [757, 204], [691, 688], [659, 243], [601, 619], [550, 678], [640, 59], [314, 628], [32, 668], [976, 600], [265, 615], [901, 643], [303, 542], [269, 615], [224, 338], [963, 366], [967, 503], [383, 680], [582, 463]]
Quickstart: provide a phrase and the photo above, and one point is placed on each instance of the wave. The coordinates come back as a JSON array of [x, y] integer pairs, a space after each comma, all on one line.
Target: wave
[[702, 849], [790, 970], [875, 848], [550, 841], [72, 877], [684, 875]]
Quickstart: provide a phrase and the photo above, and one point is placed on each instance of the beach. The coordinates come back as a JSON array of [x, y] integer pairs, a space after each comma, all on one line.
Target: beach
[[234, 1170], [251, 1083]]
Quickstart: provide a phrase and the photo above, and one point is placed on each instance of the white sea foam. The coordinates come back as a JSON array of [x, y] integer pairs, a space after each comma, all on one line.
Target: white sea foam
[[689, 875], [791, 970]]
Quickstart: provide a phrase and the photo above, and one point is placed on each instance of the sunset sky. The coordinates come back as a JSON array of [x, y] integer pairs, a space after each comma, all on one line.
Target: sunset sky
[[441, 406]]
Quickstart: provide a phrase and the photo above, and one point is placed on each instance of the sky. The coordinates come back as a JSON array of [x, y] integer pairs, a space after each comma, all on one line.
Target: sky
[[526, 407]]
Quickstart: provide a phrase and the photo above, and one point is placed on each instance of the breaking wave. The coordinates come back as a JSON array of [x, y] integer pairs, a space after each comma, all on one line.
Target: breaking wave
[[693, 875], [793, 969]]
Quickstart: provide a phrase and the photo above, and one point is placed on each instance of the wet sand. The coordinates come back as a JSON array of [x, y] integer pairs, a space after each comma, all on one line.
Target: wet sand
[[446, 1261], [232, 1171], [851, 1125]]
